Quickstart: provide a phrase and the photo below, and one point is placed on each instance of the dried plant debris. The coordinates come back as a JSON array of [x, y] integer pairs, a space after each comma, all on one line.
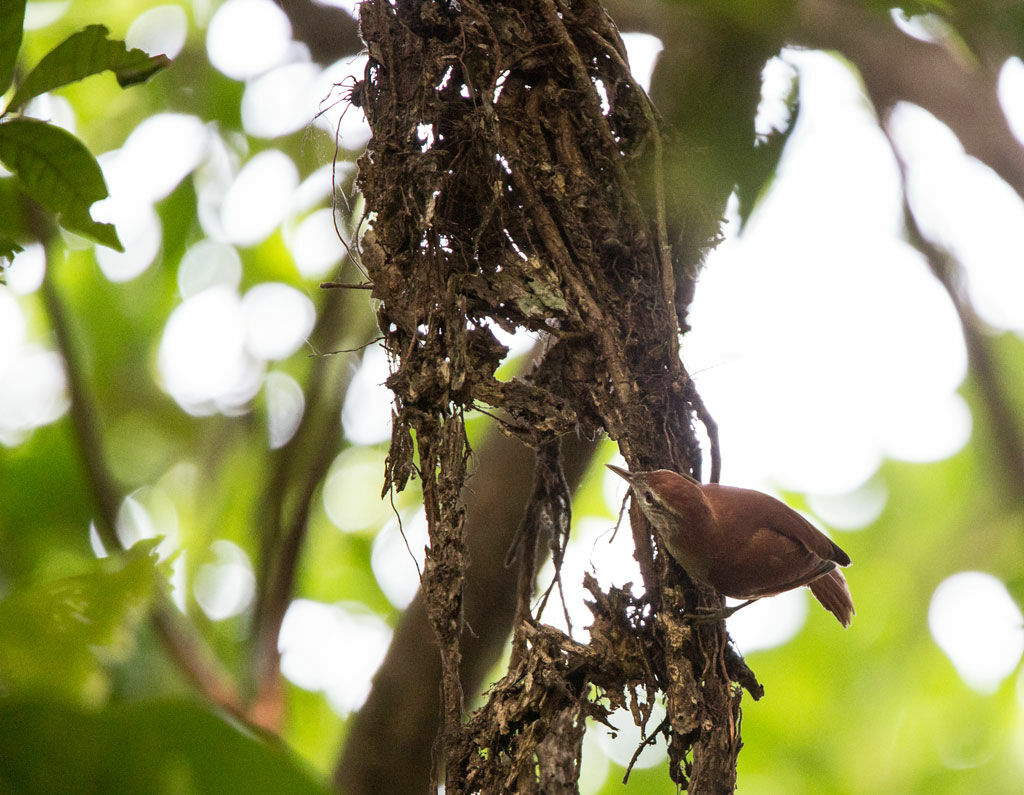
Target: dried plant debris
[[528, 737], [501, 195], [512, 181]]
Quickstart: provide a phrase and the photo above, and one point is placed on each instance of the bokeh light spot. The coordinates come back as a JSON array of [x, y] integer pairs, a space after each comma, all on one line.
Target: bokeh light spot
[[285, 406], [247, 37], [148, 512], [966, 208], [395, 560], [55, 109], [278, 319], [159, 31], [352, 490], [852, 510], [335, 115], [259, 197], [315, 244], [643, 50], [594, 764], [13, 326], [621, 747], [202, 358], [25, 274], [975, 621], [43, 13], [32, 392], [280, 101], [158, 154], [366, 415], [772, 111], [779, 349], [1011, 94], [768, 622], [334, 649], [139, 230], [929, 430], [208, 263], [225, 584]]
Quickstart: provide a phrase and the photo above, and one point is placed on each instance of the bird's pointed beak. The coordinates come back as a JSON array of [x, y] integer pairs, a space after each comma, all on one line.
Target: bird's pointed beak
[[625, 474]]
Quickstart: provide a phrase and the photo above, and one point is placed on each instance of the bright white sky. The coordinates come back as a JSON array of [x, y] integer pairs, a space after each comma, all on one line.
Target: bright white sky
[[821, 343]]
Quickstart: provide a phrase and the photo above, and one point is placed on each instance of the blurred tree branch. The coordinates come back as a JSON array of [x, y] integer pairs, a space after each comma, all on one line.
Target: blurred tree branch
[[183, 644], [328, 31], [297, 470], [1007, 433], [896, 67]]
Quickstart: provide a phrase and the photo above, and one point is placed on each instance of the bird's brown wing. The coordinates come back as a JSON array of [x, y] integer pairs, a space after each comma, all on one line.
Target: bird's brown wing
[[764, 563], [809, 574], [760, 510]]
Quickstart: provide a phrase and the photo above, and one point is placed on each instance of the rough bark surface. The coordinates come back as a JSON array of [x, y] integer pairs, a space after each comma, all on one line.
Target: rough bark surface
[[513, 179]]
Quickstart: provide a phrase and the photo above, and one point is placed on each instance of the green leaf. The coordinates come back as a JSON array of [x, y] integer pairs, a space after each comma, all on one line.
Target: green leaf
[[753, 182], [13, 212], [55, 636], [8, 248], [85, 53], [12, 23], [148, 746], [57, 170]]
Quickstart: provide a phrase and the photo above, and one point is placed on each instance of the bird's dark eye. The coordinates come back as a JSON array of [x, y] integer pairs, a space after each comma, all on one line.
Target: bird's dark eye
[[648, 498]]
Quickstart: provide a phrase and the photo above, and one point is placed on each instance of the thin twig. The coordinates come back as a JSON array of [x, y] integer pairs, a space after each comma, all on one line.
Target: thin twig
[[401, 530], [84, 422], [298, 469], [651, 739], [697, 402], [526, 546], [184, 645], [356, 349]]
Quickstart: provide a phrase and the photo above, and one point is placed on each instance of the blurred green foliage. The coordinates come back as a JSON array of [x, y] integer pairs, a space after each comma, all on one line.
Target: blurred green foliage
[[153, 746], [85, 622], [89, 698]]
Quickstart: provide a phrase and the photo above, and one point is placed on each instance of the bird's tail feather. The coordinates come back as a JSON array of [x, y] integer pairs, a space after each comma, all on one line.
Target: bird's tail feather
[[834, 594]]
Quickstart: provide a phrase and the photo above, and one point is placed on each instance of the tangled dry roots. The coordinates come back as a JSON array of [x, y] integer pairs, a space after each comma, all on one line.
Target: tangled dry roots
[[512, 179]]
